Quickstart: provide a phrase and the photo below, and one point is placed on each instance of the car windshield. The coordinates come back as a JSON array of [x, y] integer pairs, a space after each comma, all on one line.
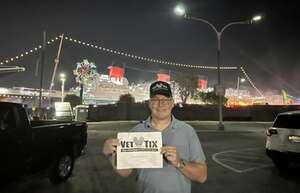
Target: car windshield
[[287, 121]]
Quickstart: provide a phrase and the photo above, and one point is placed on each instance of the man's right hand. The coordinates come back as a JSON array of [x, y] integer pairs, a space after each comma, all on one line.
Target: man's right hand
[[110, 146]]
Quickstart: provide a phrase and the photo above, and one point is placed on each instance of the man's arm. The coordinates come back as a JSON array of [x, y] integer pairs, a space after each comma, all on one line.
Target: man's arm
[[192, 170], [123, 172], [109, 149]]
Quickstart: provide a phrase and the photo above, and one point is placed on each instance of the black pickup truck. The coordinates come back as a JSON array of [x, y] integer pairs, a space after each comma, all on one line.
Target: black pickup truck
[[31, 148]]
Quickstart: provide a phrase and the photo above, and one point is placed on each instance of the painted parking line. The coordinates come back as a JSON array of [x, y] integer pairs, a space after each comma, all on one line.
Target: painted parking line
[[243, 160]]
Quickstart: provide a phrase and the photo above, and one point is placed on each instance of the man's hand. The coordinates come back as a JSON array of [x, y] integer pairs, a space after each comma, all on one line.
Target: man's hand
[[110, 146], [192, 170], [110, 149], [171, 155]]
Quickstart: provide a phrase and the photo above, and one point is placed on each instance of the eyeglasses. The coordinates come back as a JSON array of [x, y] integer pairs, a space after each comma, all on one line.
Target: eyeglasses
[[161, 101]]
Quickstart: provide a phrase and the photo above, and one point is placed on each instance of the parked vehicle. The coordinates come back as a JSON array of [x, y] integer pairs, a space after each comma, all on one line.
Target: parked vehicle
[[38, 147], [283, 139]]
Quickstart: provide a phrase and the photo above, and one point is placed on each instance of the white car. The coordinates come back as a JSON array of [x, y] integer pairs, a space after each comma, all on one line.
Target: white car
[[283, 139]]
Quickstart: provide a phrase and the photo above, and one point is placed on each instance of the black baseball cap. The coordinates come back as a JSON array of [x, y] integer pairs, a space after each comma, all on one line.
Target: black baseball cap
[[161, 88]]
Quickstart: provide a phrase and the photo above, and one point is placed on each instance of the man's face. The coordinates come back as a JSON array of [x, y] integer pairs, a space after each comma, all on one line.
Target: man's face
[[161, 106]]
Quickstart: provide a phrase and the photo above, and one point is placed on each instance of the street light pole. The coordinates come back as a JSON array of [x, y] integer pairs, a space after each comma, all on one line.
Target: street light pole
[[43, 52], [220, 91], [63, 79], [62, 90], [238, 90]]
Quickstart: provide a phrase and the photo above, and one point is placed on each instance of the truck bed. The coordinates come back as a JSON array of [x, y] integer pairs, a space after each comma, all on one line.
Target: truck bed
[[49, 122]]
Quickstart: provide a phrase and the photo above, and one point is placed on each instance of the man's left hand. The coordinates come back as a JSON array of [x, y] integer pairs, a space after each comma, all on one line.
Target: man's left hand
[[171, 155]]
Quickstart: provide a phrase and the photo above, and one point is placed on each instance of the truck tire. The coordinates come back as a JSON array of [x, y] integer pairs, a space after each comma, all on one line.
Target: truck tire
[[62, 168]]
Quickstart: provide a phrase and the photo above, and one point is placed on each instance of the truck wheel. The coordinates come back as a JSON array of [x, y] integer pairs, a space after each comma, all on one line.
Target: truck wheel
[[62, 169]]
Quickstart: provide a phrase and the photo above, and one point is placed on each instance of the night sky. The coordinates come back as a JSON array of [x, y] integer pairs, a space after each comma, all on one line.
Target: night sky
[[269, 50]]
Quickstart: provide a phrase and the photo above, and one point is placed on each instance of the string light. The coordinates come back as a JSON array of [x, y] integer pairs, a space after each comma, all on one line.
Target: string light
[[145, 58], [131, 56], [250, 81], [29, 51]]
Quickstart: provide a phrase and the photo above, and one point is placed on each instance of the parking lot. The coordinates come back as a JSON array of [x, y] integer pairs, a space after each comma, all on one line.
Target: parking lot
[[235, 157]]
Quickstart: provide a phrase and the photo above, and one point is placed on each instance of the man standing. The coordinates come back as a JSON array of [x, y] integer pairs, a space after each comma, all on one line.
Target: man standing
[[184, 158]]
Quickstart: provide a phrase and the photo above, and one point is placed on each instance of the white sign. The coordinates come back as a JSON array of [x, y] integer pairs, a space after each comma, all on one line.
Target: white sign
[[139, 150]]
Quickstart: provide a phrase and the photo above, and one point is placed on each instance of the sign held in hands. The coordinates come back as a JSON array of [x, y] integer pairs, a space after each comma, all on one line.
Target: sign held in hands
[[139, 150]]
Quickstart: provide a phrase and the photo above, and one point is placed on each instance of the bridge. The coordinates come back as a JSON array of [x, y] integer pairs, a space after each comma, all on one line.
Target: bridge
[[29, 96]]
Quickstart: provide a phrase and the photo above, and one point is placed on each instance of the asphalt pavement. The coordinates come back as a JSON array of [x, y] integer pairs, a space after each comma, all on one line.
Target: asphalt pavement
[[235, 157]]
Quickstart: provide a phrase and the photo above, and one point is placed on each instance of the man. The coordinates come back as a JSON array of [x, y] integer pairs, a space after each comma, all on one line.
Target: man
[[184, 159]]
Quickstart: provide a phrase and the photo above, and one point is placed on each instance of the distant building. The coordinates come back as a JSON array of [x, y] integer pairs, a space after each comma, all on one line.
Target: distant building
[[275, 99]]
